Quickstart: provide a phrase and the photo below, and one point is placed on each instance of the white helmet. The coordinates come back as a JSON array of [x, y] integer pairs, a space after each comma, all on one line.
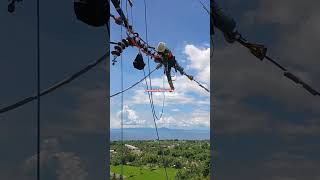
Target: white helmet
[[161, 47]]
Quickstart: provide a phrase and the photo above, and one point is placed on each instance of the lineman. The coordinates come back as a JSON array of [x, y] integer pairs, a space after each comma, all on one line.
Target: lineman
[[169, 61]]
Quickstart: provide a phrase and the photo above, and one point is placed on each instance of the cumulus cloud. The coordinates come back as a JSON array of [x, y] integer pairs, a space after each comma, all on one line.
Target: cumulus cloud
[[172, 98], [56, 164], [115, 122], [187, 93], [198, 59], [130, 117], [200, 118], [175, 110], [195, 119], [175, 119]]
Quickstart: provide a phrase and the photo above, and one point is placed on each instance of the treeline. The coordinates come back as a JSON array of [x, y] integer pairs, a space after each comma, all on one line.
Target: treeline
[[190, 158]]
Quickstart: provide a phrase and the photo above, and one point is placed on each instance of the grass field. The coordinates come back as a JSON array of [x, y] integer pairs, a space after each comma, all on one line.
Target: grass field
[[134, 173]]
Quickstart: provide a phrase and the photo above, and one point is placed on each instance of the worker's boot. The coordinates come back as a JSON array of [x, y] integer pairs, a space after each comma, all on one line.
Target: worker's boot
[[171, 85]]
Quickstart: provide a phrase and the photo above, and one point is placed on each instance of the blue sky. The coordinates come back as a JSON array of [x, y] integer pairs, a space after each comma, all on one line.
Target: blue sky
[[185, 28]]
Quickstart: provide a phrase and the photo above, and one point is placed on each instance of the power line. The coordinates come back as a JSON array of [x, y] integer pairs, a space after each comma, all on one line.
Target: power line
[[204, 7], [133, 85], [260, 52], [126, 24], [122, 144], [56, 86], [201, 86], [150, 94], [151, 100], [65, 81], [228, 26], [38, 90], [144, 47]]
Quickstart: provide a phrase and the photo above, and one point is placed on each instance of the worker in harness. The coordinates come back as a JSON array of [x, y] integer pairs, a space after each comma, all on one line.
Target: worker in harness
[[169, 61]]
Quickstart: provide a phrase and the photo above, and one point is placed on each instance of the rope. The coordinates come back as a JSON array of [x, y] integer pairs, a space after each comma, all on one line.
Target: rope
[[122, 144], [56, 86], [133, 85], [63, 82], [127, 9], [132, 22], [204, 7], [150, 94], [131, 33], [211, 39], [211, 24], [164, 98], [140, 48], [151, 100]]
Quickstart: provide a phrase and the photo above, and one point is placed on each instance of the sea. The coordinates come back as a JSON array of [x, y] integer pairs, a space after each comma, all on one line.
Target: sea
[[164, 134]]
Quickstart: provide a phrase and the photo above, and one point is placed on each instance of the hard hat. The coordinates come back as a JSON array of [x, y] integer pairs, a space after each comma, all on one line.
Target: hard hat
[[161, 47]]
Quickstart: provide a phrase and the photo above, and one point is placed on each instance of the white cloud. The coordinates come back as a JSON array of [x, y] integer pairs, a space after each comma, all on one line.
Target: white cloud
[[130, 117], [133, 119], [175, 110], [187, 93], [201, 118], [198, 59], [195, 119], [114, 121], [141, 97]]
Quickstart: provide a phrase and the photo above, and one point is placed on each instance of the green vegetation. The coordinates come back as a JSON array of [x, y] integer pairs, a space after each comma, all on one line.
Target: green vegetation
[[183, 159], [137, 173]]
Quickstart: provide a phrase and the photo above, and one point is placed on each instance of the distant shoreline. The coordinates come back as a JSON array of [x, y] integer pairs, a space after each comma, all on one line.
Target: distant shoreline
[[164, 133]]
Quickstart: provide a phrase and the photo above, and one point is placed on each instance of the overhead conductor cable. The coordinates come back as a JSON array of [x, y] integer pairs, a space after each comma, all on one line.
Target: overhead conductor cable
[[228, 27]]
